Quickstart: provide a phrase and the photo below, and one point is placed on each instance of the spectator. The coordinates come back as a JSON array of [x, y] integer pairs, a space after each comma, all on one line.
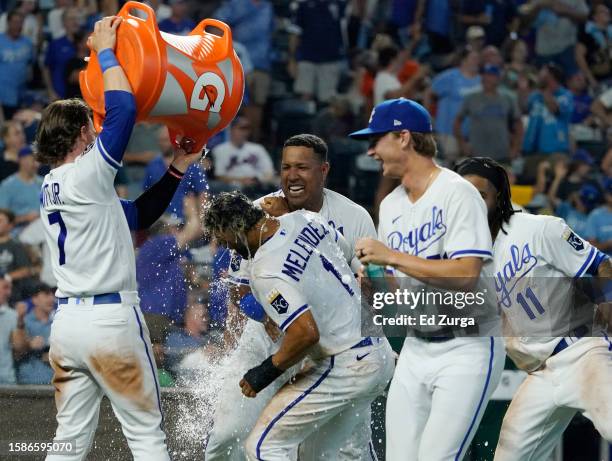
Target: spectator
[[492, 56], [179, 22], [75, 65], [599, 223], [475, 38], [241, 162], [594, 47], [252, 23], [193, 183], [438, 23], [576, 208], [161, 280], [601, 108], [336, 121], [401, 21], [191, 336], [143, 145], [162, 11], [32, 20], [31, 339], [520, 76], [577, 84], [495, 127], [20, 192], [556, 23], [387, 84], [60, 51], [14, 262], [55, 18], [503, 21], [98, 9], [316, 48], [13, 138], [570, 177], [33, 236], [450, 88], [8, 325], [550, 112], [16, 56]]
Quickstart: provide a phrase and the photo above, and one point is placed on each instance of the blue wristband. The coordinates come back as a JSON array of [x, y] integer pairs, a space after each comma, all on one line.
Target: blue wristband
[[107, 59], [251, 308]]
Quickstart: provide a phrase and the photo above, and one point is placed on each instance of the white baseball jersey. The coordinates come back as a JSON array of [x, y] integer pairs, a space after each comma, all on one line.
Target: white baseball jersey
[[348, 218], [535, 263], [233, 422], [449, 221], [303, 267], [86, 228]]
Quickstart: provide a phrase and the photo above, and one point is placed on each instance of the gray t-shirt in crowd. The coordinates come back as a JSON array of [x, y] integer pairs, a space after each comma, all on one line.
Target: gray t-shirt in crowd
[[8, 323], [490, 123], [555, 33]]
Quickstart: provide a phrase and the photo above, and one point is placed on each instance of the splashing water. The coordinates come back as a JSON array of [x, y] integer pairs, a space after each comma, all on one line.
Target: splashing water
[[200, 377]]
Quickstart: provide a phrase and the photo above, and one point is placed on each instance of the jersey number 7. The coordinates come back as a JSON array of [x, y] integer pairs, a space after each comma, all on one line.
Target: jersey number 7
[[56, 218]]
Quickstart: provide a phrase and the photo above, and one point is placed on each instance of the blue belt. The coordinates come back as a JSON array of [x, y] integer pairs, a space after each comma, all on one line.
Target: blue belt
[[579, 332], [363, 343], [105, 298]]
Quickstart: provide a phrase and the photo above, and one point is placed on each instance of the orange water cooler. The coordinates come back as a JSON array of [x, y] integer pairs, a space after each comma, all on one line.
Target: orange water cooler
[[193, 84]]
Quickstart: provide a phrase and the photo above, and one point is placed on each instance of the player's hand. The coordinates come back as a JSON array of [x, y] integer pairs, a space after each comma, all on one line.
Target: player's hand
[[275, 206], [272, 329], [372, 251], [247, 390], [183, 155], [37, 343], [104, 34]]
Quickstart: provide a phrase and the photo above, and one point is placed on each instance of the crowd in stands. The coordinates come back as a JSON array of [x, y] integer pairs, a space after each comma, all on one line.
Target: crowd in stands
[[527, 82]]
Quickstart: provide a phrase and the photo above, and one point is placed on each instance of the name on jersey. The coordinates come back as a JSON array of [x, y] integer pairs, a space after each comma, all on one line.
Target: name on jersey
[[421, 237], [49, 195], [521, 262], [302, 249]]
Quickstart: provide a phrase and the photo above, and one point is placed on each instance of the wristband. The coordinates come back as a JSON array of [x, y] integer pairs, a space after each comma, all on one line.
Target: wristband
[[251, 308], [107, 59], [175, 172], [262, 375]]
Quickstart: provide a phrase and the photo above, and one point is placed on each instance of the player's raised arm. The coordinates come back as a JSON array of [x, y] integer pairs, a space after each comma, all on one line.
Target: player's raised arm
[[151, 204], [119, 101]]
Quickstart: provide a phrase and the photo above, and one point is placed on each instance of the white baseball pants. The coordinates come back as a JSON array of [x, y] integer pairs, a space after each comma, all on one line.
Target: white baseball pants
[[322, 403], [438, 395], [98, 350], [578, 378], [236, 415]]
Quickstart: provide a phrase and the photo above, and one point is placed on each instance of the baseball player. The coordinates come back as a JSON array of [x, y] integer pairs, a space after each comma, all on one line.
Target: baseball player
[[434, 228], [99, 343], [300, 275], [568, 359], [304, 168]]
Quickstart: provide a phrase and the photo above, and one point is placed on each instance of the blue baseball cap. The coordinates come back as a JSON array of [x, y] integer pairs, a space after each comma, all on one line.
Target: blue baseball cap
[[490, 69], [582, 155], [396, 115], [25, 151]]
